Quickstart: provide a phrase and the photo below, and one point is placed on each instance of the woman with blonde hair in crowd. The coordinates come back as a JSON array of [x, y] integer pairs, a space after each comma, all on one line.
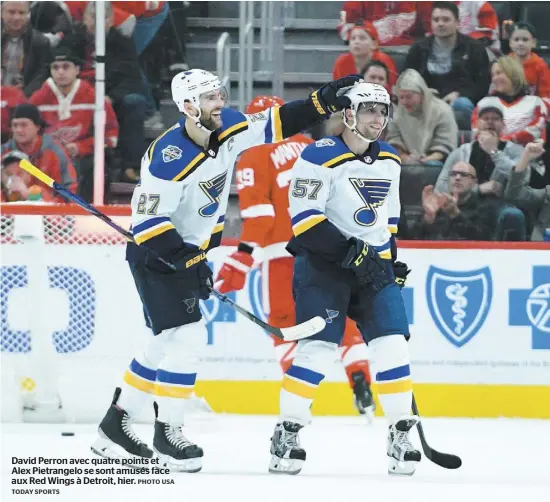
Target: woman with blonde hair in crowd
[[525, 116], [423, 129]]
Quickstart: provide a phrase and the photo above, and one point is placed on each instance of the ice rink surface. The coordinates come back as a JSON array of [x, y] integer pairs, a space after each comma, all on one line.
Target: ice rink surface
[[503, 461]]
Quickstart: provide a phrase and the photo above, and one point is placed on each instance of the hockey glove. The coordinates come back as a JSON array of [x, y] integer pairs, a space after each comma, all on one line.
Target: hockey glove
[[191, 269], [401, 271], [329, 98], [234, 270], [365, 262]]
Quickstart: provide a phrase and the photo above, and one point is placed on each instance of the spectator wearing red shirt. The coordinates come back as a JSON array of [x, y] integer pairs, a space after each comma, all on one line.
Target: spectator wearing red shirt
[[522, 42], [67, 104], [41, 149], [10, 96], [396, 22], [363, 48]]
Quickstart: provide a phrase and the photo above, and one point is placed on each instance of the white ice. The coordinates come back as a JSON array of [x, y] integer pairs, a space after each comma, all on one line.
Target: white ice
[[503, 461]]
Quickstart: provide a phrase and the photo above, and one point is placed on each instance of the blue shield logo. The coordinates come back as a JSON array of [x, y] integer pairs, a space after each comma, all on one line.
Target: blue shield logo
[[459, 301]]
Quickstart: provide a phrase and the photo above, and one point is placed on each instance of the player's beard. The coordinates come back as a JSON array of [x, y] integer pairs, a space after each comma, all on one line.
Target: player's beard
[[210, 122]]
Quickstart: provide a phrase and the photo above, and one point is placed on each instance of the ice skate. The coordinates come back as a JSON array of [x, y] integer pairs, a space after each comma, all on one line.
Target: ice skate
[[174, 450], [286, 455], [116, 436], [403, 457], [364, 401]]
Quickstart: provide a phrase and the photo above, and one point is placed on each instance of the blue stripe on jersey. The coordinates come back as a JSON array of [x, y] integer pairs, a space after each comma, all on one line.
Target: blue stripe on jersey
[[142, 371], [268, 128], [176, 378], [221, 219], [394, 373], [383, 247], [305, 374], [140, 227], [304, 214], [393, 221]]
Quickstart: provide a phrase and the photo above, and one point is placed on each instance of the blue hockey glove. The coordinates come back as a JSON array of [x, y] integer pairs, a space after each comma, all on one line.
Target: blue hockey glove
[[329, 98], [401, 271], [365, 262]]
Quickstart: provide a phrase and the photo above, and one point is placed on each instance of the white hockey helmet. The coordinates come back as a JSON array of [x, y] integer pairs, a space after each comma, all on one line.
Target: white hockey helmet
[[189, 85], [363, 93]]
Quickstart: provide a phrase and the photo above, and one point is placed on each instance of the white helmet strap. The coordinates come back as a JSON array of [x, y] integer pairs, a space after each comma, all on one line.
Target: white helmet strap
[[353, 126], [197, 119]]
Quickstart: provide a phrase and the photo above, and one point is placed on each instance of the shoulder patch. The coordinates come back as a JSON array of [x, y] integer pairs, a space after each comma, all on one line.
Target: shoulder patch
[[171, 153], [328, 152], [324, 142]]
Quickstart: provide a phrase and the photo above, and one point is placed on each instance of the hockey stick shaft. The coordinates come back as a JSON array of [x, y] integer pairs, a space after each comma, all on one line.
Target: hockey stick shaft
[[446, 460], [47, 180]]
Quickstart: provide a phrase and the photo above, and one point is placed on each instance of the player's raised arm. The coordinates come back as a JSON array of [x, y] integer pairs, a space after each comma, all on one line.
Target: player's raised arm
[[276, 123]]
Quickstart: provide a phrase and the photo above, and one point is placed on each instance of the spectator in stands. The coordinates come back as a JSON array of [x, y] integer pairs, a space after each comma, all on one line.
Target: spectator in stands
[[123, 83], [10, 96], [454, 64], [26, 52], [67, 104], [522, 42], [363, 48], [150, 16], [377, 72], [535, 201], [476, 19], [524, 115], [395, 22], [123, 21], [42, 150], [460, 213], [492, 157], [423, 129]]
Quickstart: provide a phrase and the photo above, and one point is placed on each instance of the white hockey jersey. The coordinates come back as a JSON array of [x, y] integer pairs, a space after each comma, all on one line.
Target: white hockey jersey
[[358, 195], [186, 188]]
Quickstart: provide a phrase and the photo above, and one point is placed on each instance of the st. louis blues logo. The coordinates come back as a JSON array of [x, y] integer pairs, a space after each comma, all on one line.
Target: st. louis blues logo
[[331, 314], [459, 301], [213, 189], [373, 193]]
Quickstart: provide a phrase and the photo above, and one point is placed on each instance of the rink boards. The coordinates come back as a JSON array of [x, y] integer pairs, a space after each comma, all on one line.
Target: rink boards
[[480, 324]]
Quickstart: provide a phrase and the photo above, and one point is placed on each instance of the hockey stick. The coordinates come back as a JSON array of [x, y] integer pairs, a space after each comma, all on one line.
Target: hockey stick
[[291, 334], [446, 460]]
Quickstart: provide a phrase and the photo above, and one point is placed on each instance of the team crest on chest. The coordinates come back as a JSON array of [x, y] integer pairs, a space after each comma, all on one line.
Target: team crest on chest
[[171, 153], [212, 189], [373, 193]]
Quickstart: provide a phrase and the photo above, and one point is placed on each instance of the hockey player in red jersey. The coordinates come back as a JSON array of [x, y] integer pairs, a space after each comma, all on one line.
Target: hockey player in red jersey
[[262, 175]]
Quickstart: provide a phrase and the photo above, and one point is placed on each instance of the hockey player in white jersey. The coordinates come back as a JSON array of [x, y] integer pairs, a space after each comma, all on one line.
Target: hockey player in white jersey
[[344, 204], [178, 213]]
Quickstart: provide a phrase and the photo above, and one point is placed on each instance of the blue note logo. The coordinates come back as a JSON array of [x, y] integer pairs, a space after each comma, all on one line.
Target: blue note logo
[[373, 193], [531, 308], [459, 301], [212, 189], [331, 314]]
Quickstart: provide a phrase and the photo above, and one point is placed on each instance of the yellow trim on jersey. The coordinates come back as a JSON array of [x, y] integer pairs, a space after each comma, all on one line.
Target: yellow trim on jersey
[[152, 147], [389, 155], [173, 390], [299, 388], [229, 130], [386, 254], [335, 160], [392, 229], [138, 383], [308, 223], [189, 166], [157, 230], [277, 125], [218, 228], [394, 387]]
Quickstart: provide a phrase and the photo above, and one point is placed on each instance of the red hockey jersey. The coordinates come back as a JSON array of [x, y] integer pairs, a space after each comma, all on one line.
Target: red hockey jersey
[[70, 118]]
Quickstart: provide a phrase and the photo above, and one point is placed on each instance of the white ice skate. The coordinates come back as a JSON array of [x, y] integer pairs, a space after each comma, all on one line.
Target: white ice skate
[[402, 456], [286, 455]]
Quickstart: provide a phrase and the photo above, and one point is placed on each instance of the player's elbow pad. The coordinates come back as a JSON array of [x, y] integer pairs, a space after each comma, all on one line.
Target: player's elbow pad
[[323, 240]]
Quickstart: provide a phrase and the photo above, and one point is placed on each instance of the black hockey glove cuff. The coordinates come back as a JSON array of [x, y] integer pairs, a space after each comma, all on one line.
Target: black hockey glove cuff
[[401, 271], [365, 262], [328, 99]]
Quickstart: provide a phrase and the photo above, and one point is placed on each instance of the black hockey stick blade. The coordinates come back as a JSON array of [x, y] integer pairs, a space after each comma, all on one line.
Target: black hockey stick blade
[[445, 460], [303, 330]]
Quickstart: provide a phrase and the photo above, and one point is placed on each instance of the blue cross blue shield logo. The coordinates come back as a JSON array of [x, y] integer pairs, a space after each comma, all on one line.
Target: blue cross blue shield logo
[[459, 301]]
